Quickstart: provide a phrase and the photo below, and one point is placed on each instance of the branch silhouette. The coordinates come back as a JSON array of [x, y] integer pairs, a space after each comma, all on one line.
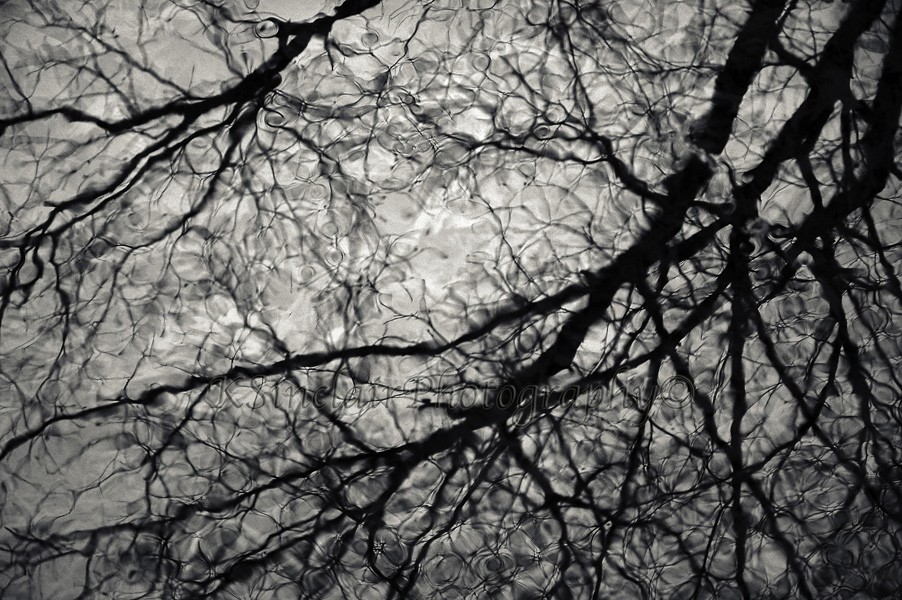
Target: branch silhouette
[[414, 300]]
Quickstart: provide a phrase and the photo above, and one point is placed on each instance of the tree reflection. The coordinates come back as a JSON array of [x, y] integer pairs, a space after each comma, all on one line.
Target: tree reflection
[[395, 299]]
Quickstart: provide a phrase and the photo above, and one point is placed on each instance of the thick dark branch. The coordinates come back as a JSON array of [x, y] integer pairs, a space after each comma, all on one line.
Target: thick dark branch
[[743, 63]]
